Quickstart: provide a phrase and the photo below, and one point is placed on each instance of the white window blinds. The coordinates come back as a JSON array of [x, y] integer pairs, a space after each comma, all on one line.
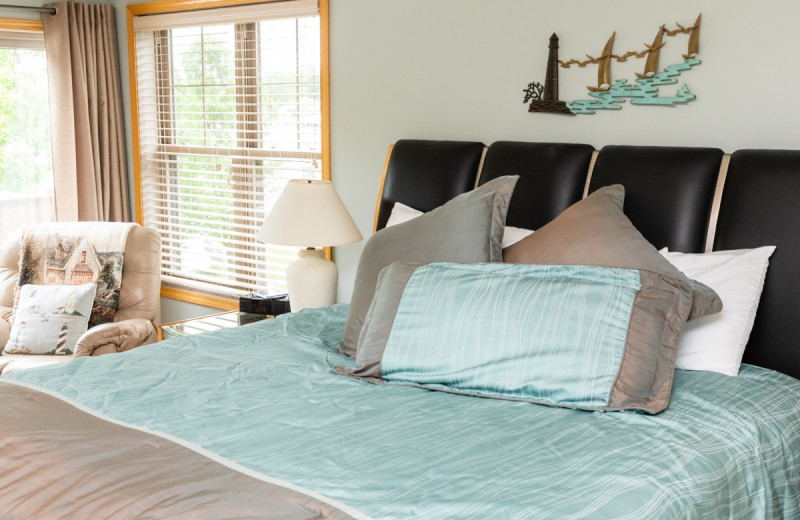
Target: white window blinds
[[229, 110]]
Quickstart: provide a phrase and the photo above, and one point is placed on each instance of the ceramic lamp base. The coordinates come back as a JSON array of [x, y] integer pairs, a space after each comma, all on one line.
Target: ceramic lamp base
[[311, 280]]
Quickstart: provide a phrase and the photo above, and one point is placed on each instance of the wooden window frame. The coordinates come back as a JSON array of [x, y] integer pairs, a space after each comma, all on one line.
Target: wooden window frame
[[170, 6], [18, 24]]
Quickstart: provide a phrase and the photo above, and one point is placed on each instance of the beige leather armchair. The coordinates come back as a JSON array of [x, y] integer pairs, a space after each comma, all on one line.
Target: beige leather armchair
[[138, 311]]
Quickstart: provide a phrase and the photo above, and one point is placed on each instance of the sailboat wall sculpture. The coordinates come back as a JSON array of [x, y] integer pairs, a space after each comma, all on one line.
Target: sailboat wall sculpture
[[611, 94], [604, 67], [694, 39], [651, 65]]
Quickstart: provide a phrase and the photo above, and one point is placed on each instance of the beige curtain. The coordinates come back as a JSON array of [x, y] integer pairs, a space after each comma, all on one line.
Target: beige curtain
[[89, 165]]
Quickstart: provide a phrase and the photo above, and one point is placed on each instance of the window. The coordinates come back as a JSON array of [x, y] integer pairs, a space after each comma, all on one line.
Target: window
[[229, 108], [26, 168]]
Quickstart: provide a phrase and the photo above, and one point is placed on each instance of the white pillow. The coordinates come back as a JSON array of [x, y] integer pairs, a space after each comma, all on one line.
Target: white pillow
[[50, 318], [512, 235], [716, 342], [402, 213]]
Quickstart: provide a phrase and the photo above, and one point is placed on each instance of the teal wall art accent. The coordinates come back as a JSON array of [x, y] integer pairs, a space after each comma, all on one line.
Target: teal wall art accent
[[611, 94]]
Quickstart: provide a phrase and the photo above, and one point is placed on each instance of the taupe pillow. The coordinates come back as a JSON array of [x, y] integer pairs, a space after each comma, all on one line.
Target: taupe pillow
[[467, 229], [595, 231]]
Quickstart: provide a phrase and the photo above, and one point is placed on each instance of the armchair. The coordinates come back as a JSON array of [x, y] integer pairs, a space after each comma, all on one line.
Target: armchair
[[138, 311]]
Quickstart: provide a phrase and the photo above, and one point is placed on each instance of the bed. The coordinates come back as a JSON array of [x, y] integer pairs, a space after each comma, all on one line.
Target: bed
[[255, 422]]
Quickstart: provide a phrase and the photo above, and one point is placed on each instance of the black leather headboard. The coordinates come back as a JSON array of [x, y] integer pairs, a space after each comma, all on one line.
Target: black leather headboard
[[668, 191], [761, 206], [551, 178], [669, 194], [426, 174]]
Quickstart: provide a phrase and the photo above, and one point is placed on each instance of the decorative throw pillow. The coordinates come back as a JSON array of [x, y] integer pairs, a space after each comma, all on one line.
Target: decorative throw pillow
[[717, 342], [595, 231], [402, 213], [50, 318], [468, 228], [588, 337], [75, 253]]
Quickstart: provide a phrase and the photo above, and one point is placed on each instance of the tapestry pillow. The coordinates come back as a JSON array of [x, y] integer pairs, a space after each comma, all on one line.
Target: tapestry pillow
[[402, 213], [50, 318], [595, 231], [588, 337], [468, 228], [75, 253], [716, 343]]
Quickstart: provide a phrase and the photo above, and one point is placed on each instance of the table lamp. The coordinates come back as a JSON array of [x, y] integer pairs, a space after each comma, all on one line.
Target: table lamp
[[309, 213]]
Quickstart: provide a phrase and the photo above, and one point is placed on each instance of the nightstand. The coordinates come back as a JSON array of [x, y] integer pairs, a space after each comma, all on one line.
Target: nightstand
[[202, 324]]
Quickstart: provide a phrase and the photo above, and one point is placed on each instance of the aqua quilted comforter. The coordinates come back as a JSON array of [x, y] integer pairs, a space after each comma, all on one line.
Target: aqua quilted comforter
[[265, 397]]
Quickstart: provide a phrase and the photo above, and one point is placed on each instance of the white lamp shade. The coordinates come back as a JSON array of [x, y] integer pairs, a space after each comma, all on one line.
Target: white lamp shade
[[309, 213]]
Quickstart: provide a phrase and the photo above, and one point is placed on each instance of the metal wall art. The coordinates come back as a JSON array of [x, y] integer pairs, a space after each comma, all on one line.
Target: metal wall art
[[610, 94]]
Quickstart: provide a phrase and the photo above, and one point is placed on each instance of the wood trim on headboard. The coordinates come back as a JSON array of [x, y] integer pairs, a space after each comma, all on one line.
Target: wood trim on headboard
[[715, 203], [589, 174], [480, 165], [380, 190]]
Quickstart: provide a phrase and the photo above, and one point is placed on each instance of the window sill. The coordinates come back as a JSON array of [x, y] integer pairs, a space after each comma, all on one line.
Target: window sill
[[207, 300]]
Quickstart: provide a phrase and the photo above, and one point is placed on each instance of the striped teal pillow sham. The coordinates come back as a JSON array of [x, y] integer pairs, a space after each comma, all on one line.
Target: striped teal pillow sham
[[588, 337]]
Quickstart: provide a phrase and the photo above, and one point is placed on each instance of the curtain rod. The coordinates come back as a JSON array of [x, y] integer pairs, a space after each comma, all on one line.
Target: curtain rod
[[51, 10]]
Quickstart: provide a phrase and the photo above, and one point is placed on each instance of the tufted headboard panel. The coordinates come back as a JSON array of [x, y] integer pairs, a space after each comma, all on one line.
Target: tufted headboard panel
[[668, 191], [760, 206], [426, 174], [551, 178]]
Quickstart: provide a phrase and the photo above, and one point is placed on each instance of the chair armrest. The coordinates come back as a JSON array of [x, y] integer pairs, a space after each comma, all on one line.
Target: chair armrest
[[5, 327], [5, 333], [115, 337]]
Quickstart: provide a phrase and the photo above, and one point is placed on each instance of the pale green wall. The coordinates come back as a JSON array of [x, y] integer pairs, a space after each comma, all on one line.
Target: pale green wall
[[455, 69], [24, 15]]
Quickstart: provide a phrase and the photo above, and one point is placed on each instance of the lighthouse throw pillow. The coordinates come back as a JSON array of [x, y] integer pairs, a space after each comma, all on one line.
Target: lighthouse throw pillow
[[50, 319]]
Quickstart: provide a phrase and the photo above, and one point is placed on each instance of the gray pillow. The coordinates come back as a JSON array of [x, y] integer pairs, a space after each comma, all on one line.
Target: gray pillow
[[467, 229], [595, 231]]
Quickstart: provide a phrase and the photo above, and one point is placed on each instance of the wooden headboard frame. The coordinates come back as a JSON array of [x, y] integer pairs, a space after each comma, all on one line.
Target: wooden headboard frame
[[380, 190], [688, 199]]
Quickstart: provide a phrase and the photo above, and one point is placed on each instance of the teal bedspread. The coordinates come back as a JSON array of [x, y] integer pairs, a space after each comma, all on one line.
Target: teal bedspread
[[264, 396]]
